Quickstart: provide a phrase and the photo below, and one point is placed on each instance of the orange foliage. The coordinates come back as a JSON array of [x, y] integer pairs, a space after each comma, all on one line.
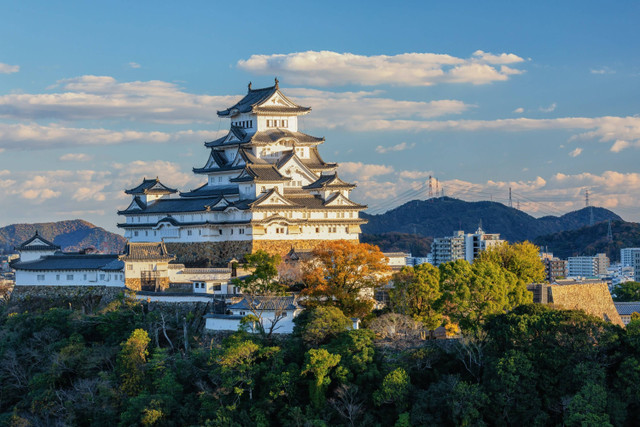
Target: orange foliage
[[345, 274]]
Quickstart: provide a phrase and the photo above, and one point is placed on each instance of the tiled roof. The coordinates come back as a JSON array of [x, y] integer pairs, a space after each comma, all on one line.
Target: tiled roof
[[254, 97], [268, 136], [266, 303], [330, 180], [67, 261], [178, 205], [205, 191], [37, 243], [156, 251], [260, 173], [151, 186], [627, 308], [315, 162]]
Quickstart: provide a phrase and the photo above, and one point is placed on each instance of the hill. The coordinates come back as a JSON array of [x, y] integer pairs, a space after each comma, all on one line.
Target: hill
[[442, 216], [591, 240], [419, 246], [71, 235]]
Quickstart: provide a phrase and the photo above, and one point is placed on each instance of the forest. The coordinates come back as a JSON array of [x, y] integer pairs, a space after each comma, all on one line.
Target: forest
[[509, 362]]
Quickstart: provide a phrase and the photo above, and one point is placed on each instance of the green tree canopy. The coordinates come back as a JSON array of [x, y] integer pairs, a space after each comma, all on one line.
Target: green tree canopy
[[627, 291], [416, 293]]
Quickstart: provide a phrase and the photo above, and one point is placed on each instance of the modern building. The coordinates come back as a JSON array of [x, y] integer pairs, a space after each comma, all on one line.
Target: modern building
[[462, 246], [449, 248], [587, 266], [266, 188], [554, 268], [627, 256]]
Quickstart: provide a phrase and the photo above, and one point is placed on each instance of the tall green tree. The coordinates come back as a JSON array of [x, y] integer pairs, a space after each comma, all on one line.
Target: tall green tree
[[132, 360], [319, 363], [416, 293]]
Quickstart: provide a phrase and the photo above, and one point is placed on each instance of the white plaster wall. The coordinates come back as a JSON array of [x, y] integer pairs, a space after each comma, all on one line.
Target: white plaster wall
[[80, 278]]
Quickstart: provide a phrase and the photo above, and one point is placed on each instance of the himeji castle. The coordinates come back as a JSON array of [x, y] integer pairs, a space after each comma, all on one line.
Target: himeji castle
[[267, 187]]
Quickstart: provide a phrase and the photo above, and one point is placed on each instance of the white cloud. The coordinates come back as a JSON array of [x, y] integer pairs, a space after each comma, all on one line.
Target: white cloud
[[576, 152], [75, 157], [555, 195], [548, 109], [519, 110], [33, 136], [134, 65], [326, 68], [398, 147], [357, 110], [8, 69], [415, 174], [102, 97], [361, 171], [603, 70]]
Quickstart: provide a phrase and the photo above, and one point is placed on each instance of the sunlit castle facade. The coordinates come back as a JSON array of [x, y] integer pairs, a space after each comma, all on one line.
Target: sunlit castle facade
[[267, 188]]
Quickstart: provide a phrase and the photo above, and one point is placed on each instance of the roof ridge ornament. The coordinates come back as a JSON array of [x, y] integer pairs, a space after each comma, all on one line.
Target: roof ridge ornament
[[249, 86], [277, 83]]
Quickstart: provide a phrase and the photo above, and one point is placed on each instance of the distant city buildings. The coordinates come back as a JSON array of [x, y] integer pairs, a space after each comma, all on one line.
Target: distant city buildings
[[462, 246], [627, 256], [588, 266], [554, 268]]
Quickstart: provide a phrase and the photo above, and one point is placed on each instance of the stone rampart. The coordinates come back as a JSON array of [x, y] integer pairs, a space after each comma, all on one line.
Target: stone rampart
[[282, 247], [592, 298], [208, 254], [86, 298]]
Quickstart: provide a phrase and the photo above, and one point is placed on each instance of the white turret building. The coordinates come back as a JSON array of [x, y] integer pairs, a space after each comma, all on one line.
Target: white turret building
[[266, 188]]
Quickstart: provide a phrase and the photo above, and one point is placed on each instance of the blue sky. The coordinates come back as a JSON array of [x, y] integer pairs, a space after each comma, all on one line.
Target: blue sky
[[541, 97]]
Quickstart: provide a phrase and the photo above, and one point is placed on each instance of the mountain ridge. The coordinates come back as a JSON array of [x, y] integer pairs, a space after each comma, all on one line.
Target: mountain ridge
[[443, 216], [70, 235]]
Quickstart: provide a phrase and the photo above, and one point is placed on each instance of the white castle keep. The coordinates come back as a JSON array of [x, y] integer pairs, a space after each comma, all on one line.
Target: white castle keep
[[267, 188]]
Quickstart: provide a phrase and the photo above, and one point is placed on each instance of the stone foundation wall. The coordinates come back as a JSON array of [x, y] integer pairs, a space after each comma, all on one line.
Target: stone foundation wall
[[593, 298], [135, 284], [208, 254], [86, 298], [282, 247]]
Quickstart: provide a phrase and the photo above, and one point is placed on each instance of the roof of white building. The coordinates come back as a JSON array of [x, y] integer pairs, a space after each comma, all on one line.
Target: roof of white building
[[71, 261]]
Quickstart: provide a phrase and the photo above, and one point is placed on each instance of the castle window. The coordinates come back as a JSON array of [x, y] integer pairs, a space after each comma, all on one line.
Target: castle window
[[135, 233], [40, 277], [217, 287], [250, 123], [220, 231], [102, 276], [285, 123], [188, 232], [129, 266], [57, 277], [69, 276], [241, 230], [346, 229], [146, 233], [231, 231], [317, 229]]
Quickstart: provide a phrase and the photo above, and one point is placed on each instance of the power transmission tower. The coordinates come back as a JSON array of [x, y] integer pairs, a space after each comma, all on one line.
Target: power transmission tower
[[430, 186], [510, 200], [586, 198], [609, 233], [437, 187]]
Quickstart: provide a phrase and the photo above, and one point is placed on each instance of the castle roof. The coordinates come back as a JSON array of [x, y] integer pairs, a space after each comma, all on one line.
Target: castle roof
[[152, 251], [328, 181], [71, 261], [268, 100], [37, 243], [237, 136], [151, 186], [260, 173]]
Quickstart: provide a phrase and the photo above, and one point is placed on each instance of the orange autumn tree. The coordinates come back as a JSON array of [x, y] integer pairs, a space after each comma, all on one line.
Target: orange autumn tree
[[345, 274]]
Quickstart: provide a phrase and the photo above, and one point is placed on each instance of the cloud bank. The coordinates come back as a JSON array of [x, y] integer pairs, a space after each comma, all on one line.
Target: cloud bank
[[327, 68]]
